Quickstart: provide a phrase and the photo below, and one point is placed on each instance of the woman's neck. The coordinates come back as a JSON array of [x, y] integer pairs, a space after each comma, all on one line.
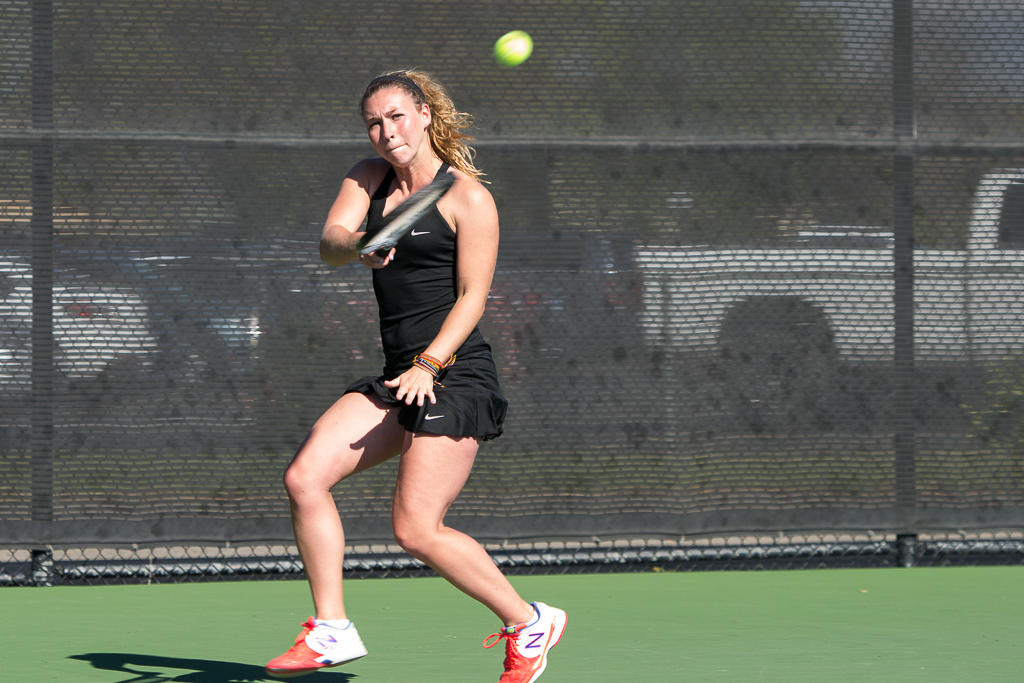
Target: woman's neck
[[418, 173]]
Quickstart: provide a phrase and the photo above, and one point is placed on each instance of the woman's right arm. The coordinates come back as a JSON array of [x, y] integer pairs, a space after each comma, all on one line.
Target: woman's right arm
[[340, 234]]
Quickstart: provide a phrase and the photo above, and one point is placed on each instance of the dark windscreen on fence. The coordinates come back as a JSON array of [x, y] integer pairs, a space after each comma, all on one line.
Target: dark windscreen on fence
[[761, 267]]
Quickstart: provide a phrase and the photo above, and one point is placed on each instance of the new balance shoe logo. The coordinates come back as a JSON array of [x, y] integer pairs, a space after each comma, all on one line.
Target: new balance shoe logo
[[325, 640], [536, 640]]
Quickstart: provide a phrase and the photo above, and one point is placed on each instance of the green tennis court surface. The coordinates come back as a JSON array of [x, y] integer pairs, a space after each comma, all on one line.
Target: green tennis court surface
[[906, 625]]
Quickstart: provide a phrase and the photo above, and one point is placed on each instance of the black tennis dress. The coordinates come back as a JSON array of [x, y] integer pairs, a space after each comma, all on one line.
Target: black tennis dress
[[415, 293]]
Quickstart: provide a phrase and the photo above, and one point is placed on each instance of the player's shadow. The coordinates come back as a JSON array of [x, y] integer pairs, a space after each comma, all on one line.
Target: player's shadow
[[168, 669]]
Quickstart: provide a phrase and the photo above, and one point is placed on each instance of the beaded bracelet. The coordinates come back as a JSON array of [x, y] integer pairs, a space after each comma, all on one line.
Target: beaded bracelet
[[431, 364]]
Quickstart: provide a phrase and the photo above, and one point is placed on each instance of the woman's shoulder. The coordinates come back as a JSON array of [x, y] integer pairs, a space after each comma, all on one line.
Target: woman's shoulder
[[369, 173], [468, 190], [468, 204]]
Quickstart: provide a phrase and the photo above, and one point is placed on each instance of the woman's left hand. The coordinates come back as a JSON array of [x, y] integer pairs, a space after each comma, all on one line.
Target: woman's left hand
[[415, 384], [375, 260]]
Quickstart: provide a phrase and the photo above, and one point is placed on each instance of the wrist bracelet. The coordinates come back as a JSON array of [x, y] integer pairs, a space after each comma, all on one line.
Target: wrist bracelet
[[431, 364]]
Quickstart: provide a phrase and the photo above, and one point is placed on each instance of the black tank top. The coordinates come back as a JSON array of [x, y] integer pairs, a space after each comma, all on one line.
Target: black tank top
[[416, 291]]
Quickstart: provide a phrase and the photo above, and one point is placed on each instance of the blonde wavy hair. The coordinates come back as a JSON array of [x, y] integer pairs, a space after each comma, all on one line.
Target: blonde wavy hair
[[447, 123]]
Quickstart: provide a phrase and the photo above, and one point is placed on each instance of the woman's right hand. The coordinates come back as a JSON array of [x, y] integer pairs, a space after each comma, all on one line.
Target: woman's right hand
[[373, 260]]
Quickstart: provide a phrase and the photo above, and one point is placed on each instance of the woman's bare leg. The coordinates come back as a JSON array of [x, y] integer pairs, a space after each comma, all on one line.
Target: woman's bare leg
[[431, 474], [356, 433]]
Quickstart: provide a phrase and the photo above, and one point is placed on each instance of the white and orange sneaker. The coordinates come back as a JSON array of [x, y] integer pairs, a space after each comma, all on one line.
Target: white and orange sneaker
[[318, 646], [527, 645]]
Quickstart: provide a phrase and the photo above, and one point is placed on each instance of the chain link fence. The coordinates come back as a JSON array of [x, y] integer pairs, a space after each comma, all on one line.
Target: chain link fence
[[248, 562], [761, 276]]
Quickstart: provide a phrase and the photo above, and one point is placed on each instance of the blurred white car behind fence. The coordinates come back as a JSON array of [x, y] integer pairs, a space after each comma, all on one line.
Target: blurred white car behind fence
[[93, 325]]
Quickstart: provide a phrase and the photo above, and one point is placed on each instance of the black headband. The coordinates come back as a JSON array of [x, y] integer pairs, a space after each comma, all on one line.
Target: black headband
[[398, 79]]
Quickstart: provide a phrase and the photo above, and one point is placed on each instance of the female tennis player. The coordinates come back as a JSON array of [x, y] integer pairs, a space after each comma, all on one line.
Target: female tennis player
[[438, 396]]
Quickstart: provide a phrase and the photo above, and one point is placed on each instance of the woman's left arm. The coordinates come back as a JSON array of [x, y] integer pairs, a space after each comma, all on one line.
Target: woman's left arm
[[472, 212]]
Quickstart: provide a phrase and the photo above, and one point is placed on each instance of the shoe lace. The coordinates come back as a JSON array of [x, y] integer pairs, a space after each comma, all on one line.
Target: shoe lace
[[510, 634], [308, 626]]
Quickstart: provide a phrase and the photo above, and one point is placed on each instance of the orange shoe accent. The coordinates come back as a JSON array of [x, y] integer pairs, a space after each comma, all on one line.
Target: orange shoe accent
[[520, 668], [299, 660]]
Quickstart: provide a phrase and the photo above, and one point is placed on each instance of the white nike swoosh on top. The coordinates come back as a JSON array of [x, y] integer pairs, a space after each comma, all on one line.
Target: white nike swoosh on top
[[433, 417], [425, 232]]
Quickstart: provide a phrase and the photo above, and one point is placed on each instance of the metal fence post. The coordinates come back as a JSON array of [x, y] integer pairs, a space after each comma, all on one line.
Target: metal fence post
[[904, 131], [42, 284]]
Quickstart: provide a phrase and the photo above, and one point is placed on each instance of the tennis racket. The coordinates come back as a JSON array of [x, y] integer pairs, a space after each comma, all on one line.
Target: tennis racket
[[396, 224]]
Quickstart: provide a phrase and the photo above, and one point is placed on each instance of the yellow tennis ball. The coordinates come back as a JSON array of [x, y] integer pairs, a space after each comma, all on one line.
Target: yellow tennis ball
[[513, 48]]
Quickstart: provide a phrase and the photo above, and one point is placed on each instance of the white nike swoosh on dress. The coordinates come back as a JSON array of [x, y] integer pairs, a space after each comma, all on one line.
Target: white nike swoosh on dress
[[425, 232], [433, 417]]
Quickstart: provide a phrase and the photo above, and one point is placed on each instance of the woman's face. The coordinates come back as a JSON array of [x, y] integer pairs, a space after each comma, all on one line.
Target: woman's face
[[396, 126]]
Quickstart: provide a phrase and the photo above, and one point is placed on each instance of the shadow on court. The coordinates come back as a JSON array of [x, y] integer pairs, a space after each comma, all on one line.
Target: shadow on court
[[166, 669]]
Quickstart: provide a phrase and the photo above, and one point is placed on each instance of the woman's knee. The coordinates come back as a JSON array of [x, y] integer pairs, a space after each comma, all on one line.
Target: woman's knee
[[294, 483], [300, 481], [413, 537]]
